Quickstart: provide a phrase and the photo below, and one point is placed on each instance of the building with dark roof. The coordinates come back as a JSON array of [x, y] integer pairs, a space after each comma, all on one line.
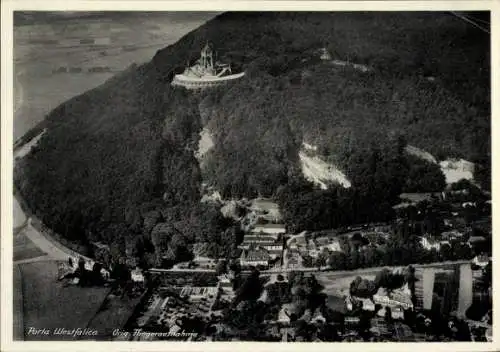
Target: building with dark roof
[[255, 257]]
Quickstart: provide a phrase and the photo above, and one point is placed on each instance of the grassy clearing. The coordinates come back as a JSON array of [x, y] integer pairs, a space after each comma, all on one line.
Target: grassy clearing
[[339, 286], [47, 304]]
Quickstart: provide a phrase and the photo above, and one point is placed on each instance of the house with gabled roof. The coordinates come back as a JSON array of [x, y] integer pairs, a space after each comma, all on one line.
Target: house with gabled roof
[[255, 257]]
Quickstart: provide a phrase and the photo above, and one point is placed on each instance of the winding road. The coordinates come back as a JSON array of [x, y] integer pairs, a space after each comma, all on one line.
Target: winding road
[[54, 250]]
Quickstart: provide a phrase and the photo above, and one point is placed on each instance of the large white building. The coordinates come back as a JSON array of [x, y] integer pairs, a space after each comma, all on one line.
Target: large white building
[[397, 298], [206, 72], [270, 229], [137, 275], [430, 243]]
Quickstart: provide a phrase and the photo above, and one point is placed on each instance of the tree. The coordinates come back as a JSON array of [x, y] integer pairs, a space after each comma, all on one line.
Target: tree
[[150, 220], [424, 176], [388, 315], [370, 257], [446, 252], [337, 260], [179, 248], [251, 288], [303, 330], [389, 280], [235, 267], [329, 333], [322, 258], [307, 261], [353, 259], [461, 250], [433, 255], [362, 288], [221, 267], [161, 235], [81, 264], [487, 274]]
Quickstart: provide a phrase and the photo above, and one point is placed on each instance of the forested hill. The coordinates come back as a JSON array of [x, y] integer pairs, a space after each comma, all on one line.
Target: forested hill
[[117, 162]]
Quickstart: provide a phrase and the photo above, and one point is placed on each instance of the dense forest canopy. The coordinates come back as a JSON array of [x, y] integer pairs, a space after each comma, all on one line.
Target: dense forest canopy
[[119, 160]]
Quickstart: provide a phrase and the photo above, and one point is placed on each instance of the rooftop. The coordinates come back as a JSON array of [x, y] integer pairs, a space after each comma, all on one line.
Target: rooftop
[[269, 226], [431, 239], [482, 258], [251, 239], [396, 295], [256, 255], [477, 239], [418, 197]]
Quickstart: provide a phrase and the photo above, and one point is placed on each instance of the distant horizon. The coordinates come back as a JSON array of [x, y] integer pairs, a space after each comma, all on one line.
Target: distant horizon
[[23, 18], [40, 17]]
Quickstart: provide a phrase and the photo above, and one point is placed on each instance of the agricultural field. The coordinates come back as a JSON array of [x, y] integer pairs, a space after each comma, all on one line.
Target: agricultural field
[[24, 248], [48, 304]]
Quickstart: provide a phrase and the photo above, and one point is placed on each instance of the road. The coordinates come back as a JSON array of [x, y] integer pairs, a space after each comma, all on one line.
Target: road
[[363, 271], [55, 252], [54, 249]]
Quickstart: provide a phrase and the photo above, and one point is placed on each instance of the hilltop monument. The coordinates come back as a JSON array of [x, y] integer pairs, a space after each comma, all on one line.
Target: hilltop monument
[[206, 73]]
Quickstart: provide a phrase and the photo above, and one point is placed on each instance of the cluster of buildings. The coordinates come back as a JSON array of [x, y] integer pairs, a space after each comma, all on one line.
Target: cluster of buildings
[[300, 246], [397, 301], [313, 246], [262, 246], [461, 216], [448, 292], [199, 262], [169, 307], [226, 288], [263, 243], [445, 238]]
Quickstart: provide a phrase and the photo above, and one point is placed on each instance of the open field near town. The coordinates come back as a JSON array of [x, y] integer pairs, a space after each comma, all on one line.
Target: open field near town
[[339, 286], [48, 304], [24, 248]]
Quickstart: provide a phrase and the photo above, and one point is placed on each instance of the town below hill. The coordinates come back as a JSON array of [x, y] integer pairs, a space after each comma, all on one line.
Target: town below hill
[[350, 294]]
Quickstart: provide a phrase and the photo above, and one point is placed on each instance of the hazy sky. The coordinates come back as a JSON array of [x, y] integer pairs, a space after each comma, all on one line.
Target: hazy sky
[[46, 17]]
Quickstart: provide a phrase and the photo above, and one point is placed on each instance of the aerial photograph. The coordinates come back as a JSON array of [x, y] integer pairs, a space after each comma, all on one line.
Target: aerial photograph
[[252, 176]]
